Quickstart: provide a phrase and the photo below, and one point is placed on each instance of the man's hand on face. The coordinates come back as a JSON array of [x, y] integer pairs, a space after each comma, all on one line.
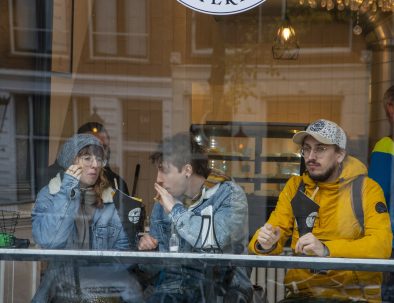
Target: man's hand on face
[[147, 242], [166, 199], [309, 245], [268, 236], [75, 170]]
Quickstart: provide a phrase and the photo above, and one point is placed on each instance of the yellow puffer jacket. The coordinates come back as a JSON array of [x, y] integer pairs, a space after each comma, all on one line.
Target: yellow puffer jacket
[[338, 227]]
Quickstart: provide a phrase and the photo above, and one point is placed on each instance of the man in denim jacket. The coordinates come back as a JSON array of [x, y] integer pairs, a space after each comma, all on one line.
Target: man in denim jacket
[[200, 210]]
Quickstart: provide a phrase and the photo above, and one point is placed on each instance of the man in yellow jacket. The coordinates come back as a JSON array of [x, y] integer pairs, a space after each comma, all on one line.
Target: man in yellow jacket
[[335, 229]]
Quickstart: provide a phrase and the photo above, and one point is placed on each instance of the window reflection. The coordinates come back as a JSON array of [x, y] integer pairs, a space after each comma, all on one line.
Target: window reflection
[[26, 27], [119, 30], [221, 69]]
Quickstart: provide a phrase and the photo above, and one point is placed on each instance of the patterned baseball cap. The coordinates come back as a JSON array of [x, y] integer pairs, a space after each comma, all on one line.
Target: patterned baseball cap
[[324, 131]]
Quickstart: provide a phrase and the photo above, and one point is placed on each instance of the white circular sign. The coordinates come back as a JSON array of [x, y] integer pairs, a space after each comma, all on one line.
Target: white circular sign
[[134, 215], [221, 7], [310, 220]]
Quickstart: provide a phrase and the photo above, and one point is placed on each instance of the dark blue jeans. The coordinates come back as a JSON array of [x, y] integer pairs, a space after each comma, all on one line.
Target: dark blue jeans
[[196, 297], [187, 284]]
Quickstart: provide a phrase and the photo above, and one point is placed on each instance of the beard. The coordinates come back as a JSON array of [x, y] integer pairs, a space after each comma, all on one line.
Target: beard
[[325, 175]]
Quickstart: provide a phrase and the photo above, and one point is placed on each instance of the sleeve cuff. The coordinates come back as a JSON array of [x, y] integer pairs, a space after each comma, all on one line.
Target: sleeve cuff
[[326, 252], [176, 211], [261, 250]]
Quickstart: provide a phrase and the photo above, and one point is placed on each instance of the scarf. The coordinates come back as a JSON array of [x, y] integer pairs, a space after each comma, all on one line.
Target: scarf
[[84, 217], [215, 177]]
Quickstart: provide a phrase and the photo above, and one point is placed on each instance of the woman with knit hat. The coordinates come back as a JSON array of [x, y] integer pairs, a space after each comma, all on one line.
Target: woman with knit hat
[[76, 211], [78, 197]]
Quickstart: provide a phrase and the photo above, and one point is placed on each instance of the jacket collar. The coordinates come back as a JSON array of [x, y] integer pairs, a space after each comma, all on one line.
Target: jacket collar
[[209, 188], [351, 169], [56, 182], [205, 194]]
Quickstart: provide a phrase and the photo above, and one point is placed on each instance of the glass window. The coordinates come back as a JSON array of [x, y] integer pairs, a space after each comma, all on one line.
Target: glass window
[[26, 27], [122, 76], [119, 30]]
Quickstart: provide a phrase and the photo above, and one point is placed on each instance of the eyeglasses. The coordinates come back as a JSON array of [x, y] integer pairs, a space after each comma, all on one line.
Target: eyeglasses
[[319, 151], [88, 161]]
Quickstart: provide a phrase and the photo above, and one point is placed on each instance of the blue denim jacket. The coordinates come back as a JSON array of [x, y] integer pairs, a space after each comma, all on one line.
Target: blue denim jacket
[[230, 213], [53, 218]]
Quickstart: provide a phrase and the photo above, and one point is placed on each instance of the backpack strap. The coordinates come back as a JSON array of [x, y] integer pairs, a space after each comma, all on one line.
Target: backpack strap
[[357, 201], [301, 186]]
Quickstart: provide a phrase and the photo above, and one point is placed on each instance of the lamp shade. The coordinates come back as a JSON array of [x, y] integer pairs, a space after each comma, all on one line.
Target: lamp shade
[[285, 45]]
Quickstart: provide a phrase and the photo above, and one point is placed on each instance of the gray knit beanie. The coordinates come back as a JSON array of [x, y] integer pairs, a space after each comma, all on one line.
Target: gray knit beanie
[[72, 147]]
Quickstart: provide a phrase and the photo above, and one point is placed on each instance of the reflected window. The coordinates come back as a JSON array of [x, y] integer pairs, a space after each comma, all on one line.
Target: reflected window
[[119, 30], [16, 154], [201, 34], [26, 27]]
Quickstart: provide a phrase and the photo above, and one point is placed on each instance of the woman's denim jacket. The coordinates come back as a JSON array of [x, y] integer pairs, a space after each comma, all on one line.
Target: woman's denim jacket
[[230, 216], [53, 220], [54, 213]]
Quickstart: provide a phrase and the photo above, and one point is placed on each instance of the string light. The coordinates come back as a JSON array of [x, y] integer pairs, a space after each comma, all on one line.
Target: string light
[[357, 6]]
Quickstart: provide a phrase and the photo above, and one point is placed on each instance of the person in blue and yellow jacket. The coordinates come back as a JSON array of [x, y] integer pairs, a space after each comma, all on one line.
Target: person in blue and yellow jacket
[[381, 167], [336, 231]]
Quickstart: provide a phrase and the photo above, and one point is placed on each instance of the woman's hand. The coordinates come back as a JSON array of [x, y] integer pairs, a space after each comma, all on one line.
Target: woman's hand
[[75, 170]]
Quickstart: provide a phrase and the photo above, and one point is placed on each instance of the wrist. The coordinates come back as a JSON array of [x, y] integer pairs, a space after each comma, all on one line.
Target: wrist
[[326, 251], [262, 250], [176, 212]]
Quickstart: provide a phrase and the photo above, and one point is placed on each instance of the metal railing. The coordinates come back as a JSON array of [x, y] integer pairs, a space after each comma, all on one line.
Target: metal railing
[[317, 263]]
